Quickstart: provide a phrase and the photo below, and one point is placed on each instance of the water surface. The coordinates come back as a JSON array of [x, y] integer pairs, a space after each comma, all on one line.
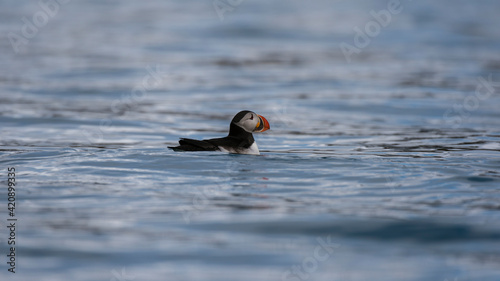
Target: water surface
[[392, 158]]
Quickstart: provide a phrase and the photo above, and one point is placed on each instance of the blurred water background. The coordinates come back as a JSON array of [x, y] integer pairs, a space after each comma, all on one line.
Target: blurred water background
[[382, 162]]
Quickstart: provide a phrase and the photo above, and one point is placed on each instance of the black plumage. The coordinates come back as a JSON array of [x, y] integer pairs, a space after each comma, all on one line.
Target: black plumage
[[237, 141]]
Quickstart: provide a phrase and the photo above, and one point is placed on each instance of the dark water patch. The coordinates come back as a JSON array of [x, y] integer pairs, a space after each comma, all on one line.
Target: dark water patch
[[268, 60], [244, 207], [480, 179], [492, 65], [414, 230]]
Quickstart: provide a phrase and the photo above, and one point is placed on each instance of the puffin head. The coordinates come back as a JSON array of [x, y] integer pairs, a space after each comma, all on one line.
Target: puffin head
[[250, 122]]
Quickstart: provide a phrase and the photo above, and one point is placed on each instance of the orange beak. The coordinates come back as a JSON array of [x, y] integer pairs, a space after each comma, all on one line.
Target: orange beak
[[262, 125]]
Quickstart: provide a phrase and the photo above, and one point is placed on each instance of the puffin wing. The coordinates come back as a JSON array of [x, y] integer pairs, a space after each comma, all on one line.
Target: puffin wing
[[194, 145]]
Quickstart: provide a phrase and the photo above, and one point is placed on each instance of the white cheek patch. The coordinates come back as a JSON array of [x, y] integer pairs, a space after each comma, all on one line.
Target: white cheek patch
[[248, 125]]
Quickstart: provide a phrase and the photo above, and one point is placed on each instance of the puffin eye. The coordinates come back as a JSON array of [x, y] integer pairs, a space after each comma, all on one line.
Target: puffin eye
[[251, 117]]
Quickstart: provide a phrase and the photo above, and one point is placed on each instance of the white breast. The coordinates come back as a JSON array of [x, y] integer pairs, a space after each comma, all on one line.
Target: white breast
[[252, 150]]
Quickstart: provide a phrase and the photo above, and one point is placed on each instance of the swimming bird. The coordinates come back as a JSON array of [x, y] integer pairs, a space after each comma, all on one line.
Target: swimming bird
[[239, 140]]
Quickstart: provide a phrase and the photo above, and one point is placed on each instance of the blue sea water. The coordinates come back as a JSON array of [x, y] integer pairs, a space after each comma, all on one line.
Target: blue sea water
[[380, 165]]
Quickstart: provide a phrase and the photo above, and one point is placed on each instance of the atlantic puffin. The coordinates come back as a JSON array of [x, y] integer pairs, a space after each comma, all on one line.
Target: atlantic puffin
[[239, 140]]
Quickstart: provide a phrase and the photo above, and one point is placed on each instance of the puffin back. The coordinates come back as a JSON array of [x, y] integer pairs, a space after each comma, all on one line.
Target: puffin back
[[194, 145]]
